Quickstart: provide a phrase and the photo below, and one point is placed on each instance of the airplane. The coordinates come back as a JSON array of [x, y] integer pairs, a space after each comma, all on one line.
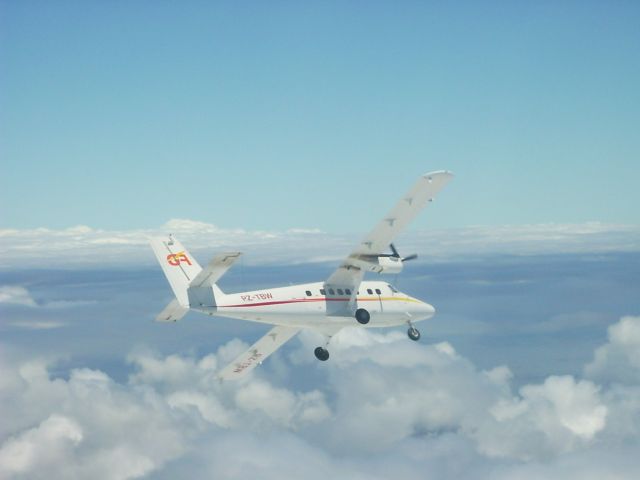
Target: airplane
[[342, 300]]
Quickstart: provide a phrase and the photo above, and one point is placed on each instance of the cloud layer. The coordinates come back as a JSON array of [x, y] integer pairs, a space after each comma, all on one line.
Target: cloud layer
[[382, 407], [82, 245]]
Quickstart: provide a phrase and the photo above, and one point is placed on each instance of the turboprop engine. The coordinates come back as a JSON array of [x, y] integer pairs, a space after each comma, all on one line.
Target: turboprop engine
[[386, 265], [385, 262]]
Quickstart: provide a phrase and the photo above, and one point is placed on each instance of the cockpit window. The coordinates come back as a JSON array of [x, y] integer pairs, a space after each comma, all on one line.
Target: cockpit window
[[392, 288]]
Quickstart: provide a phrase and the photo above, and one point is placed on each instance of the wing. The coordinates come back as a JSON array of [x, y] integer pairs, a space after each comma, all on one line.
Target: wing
[[351, 271], [256, 354]]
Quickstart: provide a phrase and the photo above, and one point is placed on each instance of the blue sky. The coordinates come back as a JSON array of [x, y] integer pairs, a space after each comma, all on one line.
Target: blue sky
[[125, 115]]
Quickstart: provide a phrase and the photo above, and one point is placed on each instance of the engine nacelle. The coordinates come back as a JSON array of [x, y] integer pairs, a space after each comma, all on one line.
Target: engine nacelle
[[385, 265]]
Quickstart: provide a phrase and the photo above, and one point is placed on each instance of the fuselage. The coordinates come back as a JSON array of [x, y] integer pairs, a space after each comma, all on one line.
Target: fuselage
[[317, 304]]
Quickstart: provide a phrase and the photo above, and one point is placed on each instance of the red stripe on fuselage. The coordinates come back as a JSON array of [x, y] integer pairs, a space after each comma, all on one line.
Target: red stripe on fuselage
[[301, 300]]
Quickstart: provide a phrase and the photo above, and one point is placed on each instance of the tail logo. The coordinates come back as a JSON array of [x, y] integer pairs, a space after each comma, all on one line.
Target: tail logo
[[175, 259]]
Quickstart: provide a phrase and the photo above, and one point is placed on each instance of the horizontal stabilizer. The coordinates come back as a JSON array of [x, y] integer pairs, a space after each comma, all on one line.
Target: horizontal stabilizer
[[256, 354], [172, 312], [216, 268]]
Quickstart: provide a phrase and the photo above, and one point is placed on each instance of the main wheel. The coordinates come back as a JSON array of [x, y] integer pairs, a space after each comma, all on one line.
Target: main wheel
[[414, 334], [321, 354], [362, 316]]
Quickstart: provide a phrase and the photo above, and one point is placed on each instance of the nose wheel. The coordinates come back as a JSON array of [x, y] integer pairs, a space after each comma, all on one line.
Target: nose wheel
[[321, 354], [413, 333]]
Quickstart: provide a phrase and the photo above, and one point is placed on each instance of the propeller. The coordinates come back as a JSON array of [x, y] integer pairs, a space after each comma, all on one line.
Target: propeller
[[395, 254]]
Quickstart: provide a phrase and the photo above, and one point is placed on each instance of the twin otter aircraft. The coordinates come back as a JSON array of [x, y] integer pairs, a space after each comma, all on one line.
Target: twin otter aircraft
[[342, 300]]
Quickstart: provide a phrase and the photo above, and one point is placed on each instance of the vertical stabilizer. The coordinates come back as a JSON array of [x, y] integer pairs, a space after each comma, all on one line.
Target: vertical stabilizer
[[178, 265]]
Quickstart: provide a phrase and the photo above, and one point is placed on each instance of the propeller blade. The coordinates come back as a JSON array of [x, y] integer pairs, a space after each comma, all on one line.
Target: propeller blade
[[393, 249], [410, 257]]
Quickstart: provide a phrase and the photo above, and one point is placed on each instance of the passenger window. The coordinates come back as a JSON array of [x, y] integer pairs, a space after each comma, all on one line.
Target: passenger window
[[340, 292], [347, 291], [322, 291], [369, 291], [378, 291], [308, 293], [331, 292]]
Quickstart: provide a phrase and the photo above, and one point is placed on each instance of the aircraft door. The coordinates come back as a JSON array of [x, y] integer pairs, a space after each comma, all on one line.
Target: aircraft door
[[380, 302]]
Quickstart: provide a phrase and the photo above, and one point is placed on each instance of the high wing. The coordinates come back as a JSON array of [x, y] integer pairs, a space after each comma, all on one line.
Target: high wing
[[256, 354], [350, 273]]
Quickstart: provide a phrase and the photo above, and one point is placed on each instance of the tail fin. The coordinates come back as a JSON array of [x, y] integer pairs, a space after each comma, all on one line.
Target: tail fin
[[178, 265]]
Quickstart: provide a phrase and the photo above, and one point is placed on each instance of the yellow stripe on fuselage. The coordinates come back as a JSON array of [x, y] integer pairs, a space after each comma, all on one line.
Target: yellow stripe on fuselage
[[389, 299]]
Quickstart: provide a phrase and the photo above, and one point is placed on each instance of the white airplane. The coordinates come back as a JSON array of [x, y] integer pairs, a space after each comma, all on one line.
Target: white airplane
[[342, 300]]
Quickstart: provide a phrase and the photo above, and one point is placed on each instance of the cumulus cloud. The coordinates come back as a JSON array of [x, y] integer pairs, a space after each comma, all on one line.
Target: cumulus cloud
[[619, 359], [86, 427], [83, 245], [41, 447], [555, 417], [382, 407]]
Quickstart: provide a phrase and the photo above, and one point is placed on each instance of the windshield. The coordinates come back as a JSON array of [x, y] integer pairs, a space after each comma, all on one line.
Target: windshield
[[393, 289]]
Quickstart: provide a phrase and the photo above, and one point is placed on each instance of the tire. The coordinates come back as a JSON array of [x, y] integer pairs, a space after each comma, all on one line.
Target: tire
[[321, 354], [362, 316], [414, 334]]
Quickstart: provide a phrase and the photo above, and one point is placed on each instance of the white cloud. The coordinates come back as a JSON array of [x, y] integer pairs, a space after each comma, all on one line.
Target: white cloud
[[591, 237], [382, 407], [19, 295], [89, 426], [16, 295], [619, 359], [36, 324], [41, 447], [554, 417], [82, 245]]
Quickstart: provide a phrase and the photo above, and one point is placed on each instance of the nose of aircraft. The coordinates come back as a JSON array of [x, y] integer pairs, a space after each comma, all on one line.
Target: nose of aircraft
[[427, 310]]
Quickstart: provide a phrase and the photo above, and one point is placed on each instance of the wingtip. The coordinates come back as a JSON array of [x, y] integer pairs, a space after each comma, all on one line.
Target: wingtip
[[445, 173]]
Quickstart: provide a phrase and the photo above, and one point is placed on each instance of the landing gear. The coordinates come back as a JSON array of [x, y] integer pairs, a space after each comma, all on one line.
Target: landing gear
[[362, 316], [413, 333], [322, 354]]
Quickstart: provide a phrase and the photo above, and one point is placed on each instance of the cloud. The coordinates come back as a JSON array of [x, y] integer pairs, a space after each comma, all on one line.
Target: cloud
[[40, 447], [16, 295], [619, 359], [36, 324], [87, 427], [557, 416], [382, 407], [85, 246], [547, 238]]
